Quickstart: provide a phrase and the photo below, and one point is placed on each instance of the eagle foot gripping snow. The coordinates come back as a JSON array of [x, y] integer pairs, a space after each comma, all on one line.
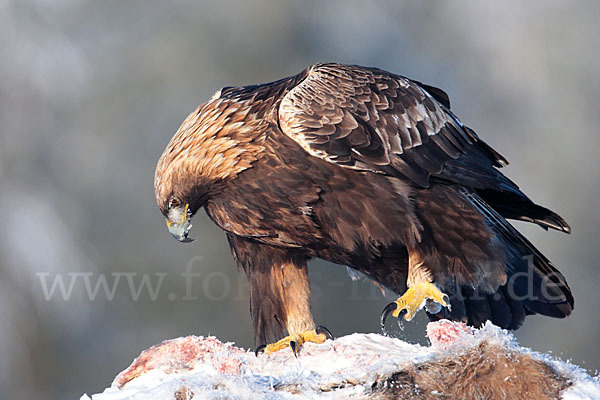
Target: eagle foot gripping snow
[[422, 294], [295, 341]]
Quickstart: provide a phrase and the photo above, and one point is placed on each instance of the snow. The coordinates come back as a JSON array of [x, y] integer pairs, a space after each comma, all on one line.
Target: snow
[[345, 367]]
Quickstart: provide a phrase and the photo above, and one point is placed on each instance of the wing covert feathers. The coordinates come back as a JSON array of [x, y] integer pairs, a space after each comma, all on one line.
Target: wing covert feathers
[[372, 120]]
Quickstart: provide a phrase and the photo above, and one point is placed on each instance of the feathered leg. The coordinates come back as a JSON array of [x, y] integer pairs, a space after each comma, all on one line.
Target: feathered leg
[[279, 295]]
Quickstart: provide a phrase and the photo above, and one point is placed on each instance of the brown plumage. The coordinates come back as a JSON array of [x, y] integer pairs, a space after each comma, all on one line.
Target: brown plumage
[[364, 168]]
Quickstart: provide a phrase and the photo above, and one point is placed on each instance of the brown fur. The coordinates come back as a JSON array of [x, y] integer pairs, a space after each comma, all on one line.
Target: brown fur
[[484, 372], [184, 393]]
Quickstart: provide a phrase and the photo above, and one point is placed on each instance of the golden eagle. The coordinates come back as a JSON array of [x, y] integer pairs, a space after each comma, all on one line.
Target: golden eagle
[[368, 169]]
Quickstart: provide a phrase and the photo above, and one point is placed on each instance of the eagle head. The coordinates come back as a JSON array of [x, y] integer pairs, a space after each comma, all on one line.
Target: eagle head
[[213, 145], [179, 199]]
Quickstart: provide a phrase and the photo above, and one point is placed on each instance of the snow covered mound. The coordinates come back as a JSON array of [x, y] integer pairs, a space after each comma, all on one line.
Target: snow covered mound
[[460, 363]]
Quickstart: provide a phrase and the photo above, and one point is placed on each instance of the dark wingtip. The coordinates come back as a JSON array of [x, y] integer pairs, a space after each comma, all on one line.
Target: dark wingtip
[[556, 222], [566, 228]]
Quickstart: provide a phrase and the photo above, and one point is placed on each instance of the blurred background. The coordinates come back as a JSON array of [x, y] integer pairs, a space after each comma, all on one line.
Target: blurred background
[[91, 92]]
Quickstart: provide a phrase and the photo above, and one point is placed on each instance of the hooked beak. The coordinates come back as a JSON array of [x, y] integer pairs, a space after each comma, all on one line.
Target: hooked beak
[[180, 228]]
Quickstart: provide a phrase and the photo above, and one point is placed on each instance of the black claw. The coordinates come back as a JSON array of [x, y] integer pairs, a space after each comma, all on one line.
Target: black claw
[[293, 346], [322, 330], [260, 349], [384, 314], [446, 299]]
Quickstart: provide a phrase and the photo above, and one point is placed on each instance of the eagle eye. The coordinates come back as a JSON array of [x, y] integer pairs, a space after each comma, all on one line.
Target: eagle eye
[[173, 202]]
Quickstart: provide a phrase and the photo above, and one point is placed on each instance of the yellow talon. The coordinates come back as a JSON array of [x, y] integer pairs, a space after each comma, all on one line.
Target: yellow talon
[[415, 297], [295, 341]]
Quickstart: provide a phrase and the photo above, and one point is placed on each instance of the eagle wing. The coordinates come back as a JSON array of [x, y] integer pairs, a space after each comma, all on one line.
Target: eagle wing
[[373, 120]]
